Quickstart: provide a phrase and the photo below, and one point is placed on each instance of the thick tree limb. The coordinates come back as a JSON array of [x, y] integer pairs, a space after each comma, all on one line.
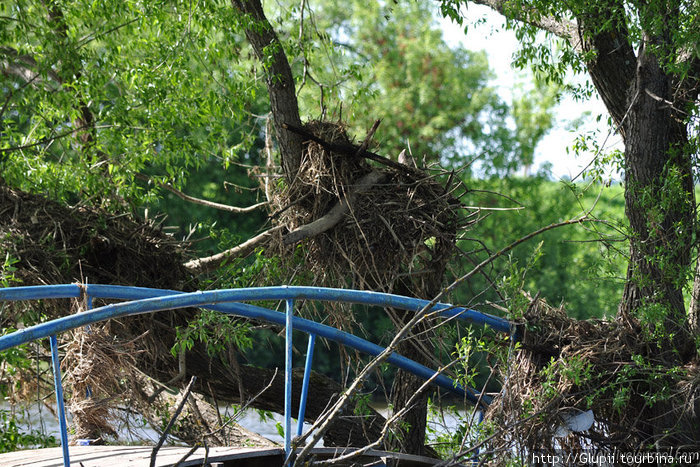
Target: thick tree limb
[[603, 31], [280, 81], [210, 263], [336, 214]]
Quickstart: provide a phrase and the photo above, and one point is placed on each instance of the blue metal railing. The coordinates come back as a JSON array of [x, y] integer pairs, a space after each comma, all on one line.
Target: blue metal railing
[[144, 300]]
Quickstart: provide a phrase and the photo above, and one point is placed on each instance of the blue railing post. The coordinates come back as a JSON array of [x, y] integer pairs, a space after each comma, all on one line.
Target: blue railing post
[[58, 387], [88, 391], [288, 380], [305, 384]]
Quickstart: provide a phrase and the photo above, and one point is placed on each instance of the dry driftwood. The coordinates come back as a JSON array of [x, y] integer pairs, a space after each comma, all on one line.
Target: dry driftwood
[[336, 214]]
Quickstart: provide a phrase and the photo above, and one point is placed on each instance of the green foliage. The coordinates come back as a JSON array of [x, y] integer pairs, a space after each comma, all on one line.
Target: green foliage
[[216, 330], [582, 266], [122, 97], [118, 89], [13, 437], [280, 429], [7, 271], [361, 401], [377, 61], [575, 371]]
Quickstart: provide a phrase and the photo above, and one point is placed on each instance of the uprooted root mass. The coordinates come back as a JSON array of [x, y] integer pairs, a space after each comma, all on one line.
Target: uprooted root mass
[[397, 227], [566, 366]]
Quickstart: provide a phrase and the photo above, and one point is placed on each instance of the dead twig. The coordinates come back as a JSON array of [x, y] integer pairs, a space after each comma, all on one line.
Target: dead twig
[[170, 424], [204, 202]]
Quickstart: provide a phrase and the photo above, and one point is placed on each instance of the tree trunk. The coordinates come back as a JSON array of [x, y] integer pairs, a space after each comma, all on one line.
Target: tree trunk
[[411, 435], [659, 203], [410, 431], [280, 82]]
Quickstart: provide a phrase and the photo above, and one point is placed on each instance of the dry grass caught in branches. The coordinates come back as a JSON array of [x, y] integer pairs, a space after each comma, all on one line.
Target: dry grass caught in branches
[[56, 244], [394, 229], [100, 371], [565, 367]]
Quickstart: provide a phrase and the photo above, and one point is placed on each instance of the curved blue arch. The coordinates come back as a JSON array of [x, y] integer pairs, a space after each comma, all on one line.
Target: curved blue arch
[[145, 300], [262, 293], [142, 300]]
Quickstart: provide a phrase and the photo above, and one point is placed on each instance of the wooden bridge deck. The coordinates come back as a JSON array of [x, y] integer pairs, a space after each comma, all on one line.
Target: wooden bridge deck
[[139, 456]]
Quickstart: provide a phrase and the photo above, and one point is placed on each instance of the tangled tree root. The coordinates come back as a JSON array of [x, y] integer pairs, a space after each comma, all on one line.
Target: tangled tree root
[[565, 367]]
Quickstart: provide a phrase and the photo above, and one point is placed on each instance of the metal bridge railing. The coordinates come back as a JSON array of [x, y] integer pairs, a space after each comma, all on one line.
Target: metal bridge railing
[[142, 300]]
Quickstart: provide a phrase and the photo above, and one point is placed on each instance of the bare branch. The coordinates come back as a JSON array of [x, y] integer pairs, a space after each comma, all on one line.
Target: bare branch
[[211, 204], [507, 248], [391, 421], [154, 452], [323, 423], [242, 408], [240, 251], [370, 134], [350, 150]]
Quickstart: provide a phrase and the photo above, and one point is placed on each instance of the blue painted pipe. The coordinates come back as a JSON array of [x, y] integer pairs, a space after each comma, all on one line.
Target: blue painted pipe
[[261, 293], [288, 378], [180, 300], [58, 388], [330, 294], [36, 292], [349, 340], [305, 384]]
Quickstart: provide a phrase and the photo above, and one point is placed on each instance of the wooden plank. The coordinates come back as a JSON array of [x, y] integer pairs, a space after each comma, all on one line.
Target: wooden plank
[[132, 456], [140, 456]]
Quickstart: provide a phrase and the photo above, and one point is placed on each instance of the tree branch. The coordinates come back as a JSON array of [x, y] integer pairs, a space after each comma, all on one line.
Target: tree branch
[[602, 29], [351, 150], [336, 214], [210, 263], [154, 452], [212, 204]]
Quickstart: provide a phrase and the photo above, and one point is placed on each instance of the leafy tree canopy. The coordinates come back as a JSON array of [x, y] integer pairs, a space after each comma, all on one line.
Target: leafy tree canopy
[[97, 92]]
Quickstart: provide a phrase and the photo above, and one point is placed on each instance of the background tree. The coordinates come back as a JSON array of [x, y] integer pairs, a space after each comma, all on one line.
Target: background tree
[[643, 61]]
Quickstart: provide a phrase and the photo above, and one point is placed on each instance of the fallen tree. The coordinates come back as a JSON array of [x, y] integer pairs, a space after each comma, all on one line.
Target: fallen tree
[[52, 243]]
